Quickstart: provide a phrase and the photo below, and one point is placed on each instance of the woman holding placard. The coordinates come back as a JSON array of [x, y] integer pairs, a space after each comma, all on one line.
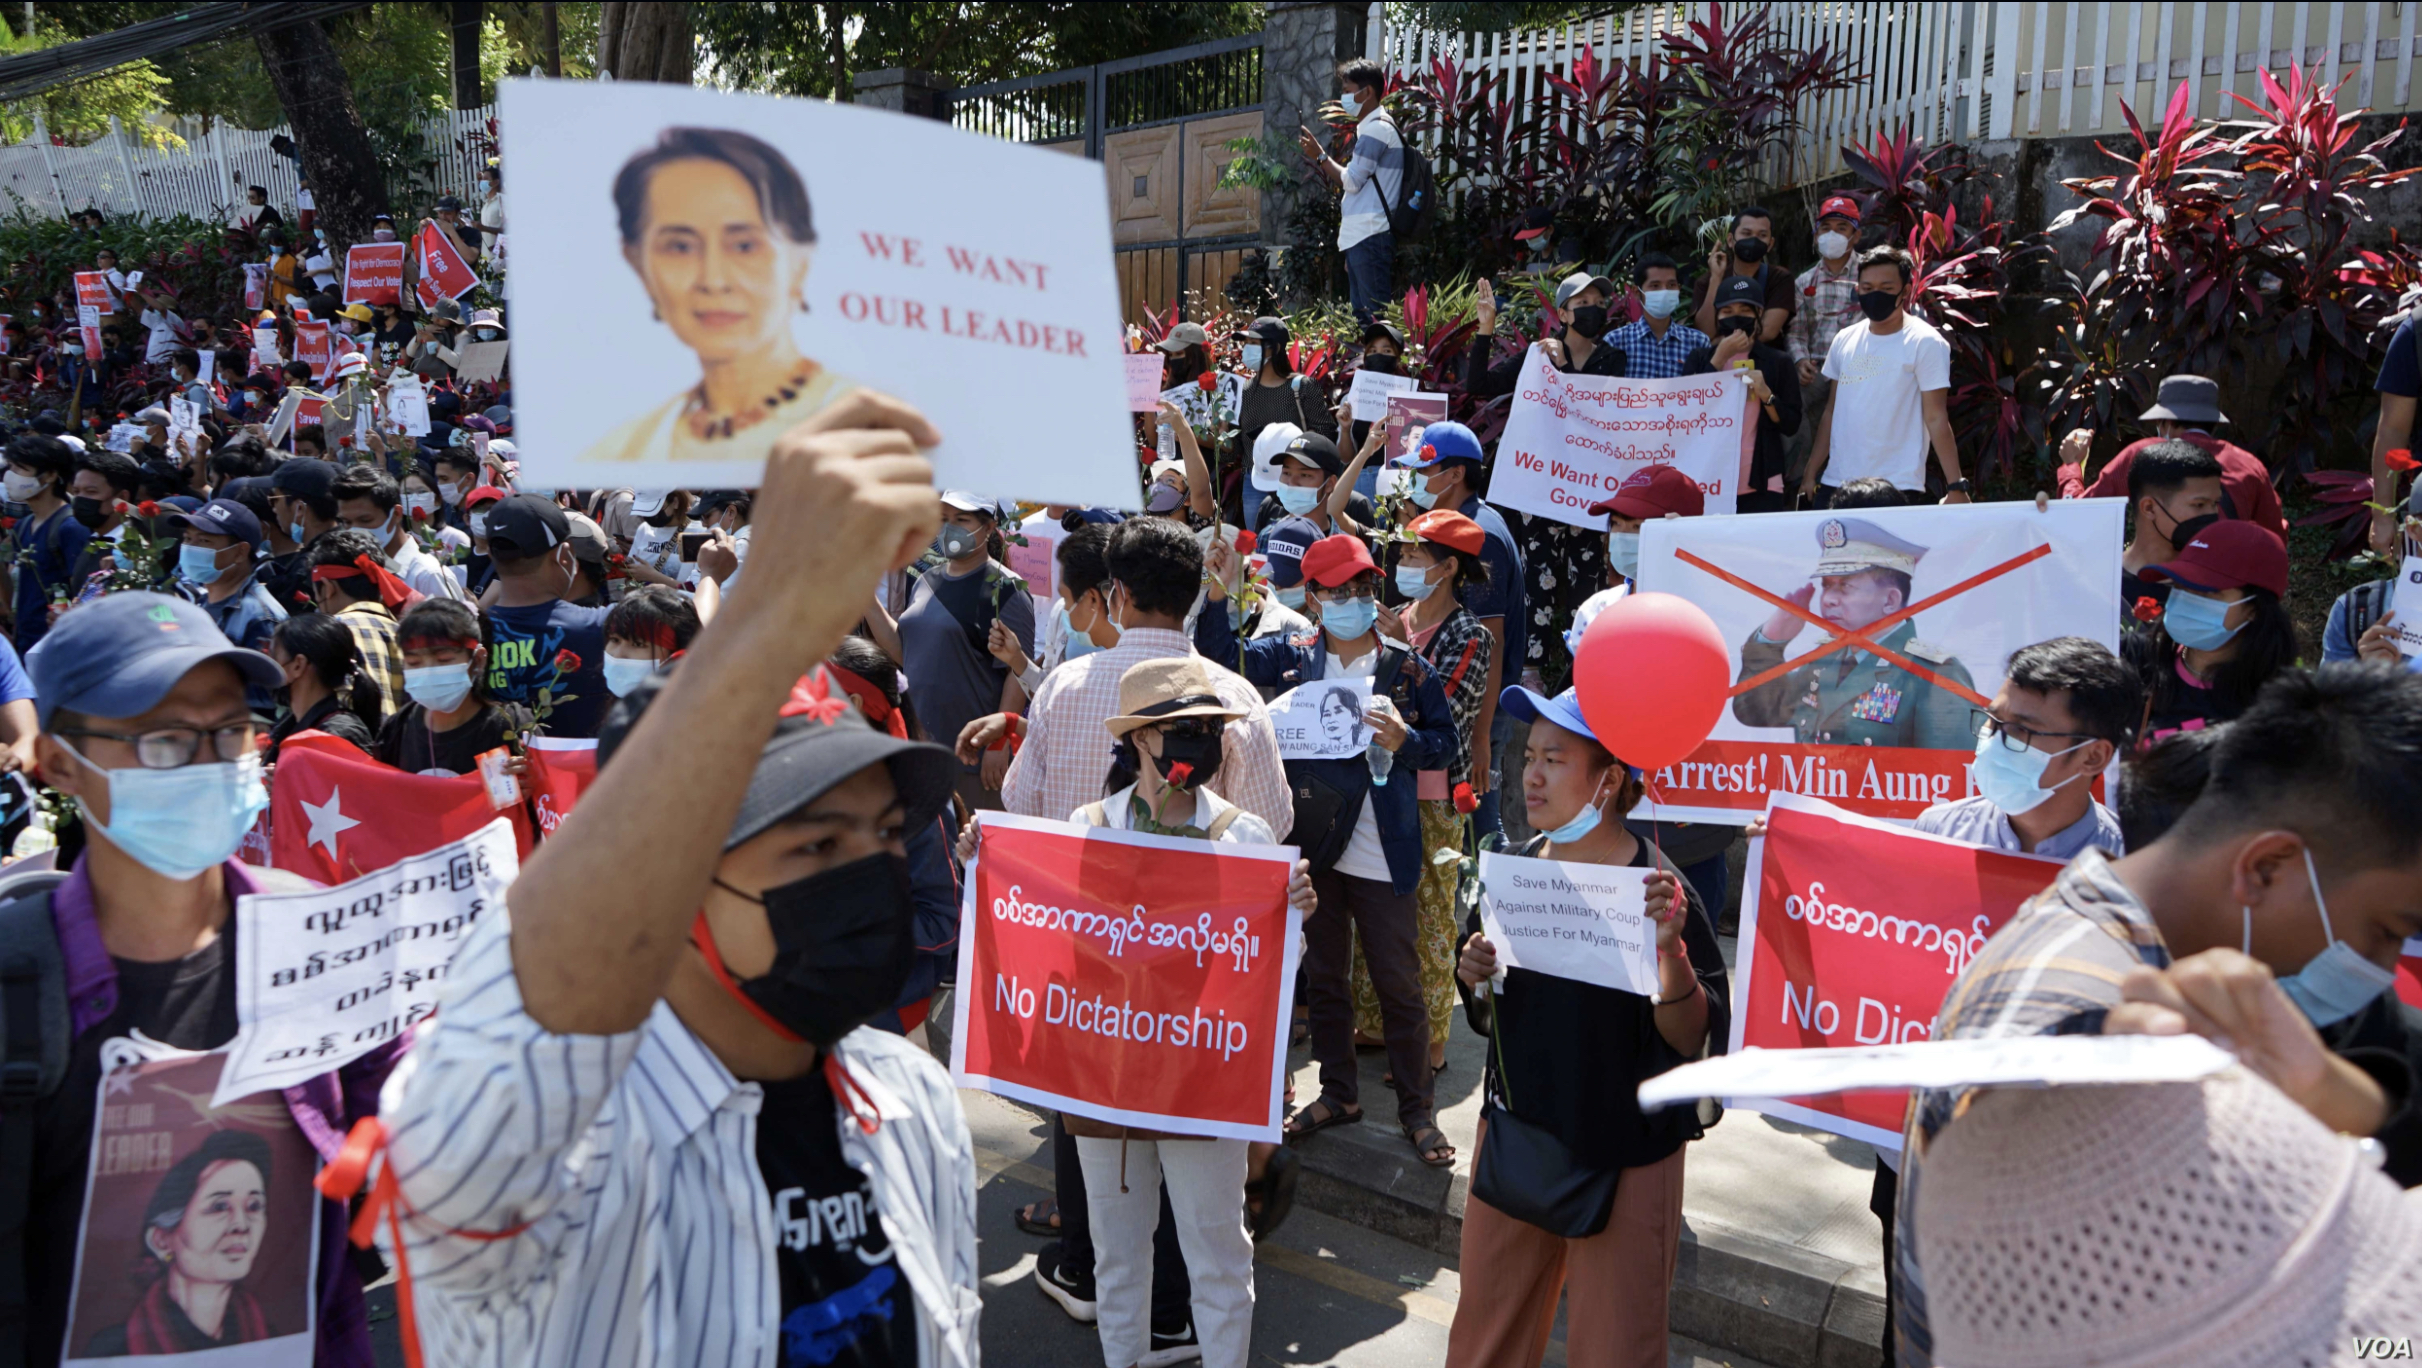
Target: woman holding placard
[[1572, 1185]]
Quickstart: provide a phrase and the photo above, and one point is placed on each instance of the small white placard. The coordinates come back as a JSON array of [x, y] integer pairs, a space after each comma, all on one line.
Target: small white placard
[[1587, 922], [1998, 1062], [1371, 390], [1323, 720]]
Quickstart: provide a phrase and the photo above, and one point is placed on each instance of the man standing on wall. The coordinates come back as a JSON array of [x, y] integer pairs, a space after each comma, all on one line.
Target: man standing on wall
[[1372, 181]]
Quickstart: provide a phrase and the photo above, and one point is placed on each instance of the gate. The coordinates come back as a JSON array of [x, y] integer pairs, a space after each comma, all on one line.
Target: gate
[[1157, 123]]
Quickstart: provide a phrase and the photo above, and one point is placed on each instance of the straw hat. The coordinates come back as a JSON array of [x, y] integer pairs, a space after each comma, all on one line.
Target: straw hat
[[1161, 690], [2201, 1225]]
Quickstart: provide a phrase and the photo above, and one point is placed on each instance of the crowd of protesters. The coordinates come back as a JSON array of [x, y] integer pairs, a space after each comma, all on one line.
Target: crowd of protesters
[[247, 548]]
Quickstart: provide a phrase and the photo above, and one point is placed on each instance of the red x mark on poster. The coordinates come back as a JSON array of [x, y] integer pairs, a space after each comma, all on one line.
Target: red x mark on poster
[[1866, 636]]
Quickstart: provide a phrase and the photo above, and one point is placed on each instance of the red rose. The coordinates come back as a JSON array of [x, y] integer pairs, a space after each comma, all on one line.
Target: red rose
[[566, 662], [1464, 801], [1245, 542], [1180, 773], [2401, 459], [1207, 381], [8, 524], [420, 515], [148, 509], [2147, 609]]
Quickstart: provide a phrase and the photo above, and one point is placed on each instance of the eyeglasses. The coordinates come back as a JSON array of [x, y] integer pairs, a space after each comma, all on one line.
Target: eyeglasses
[[2016, 738], [175, 747], [1341, 594]]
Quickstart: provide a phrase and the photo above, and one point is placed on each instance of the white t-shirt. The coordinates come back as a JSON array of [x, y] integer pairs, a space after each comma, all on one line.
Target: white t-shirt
[[162, 339], [1364, 857], [1879, 422]]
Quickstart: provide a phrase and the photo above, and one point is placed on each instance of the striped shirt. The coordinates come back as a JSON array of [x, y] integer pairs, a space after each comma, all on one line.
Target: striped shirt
[[1066, 755], [2054, 969], [1650, 357], [1373, 180], [650, 1237]]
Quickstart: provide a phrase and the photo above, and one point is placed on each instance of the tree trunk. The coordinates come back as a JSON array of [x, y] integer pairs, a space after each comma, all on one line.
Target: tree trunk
[[554, 38], [465, 22], [646, 40], [317, 95]]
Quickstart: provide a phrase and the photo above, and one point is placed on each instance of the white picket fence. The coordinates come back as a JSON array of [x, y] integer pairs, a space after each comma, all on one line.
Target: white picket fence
[[1980, 69], [207, 176]]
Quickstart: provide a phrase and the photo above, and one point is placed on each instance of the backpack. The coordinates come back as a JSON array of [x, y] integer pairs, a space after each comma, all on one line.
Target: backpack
[[2364, 605], [1416, 206], [34, 1040]]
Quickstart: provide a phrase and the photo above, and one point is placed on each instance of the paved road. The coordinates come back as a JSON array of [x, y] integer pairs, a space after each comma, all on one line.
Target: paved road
[[1326, 1292]]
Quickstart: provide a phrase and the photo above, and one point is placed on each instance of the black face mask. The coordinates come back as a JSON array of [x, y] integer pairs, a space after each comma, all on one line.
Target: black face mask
[[1589, 320], [90, 512], [1877, 304], [1735, 324], [1201, 751], [1385, 365], [842, 949], [1751, 250], [2184, 533]]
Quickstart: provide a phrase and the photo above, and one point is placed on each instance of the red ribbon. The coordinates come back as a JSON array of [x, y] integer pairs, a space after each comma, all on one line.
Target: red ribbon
[[393, 592], [878, 709]]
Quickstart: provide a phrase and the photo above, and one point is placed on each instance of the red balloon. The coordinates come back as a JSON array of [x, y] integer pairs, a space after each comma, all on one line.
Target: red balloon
[[1652, 677]]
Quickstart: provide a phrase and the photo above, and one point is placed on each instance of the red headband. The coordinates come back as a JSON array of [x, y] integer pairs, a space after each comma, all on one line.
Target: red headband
[[871, 701], [393, 592]]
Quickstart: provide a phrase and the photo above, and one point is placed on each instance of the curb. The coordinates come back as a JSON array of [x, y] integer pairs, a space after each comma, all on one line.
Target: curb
[[1733, 1291]]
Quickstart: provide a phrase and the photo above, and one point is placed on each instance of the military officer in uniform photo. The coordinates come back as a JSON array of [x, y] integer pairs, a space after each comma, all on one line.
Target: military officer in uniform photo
[[1854, 697]]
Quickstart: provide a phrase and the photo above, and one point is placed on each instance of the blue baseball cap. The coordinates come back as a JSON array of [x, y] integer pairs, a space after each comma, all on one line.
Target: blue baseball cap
[[1564, 710], [221, 518], [1283, 545], [1445, 442], [120, 654]]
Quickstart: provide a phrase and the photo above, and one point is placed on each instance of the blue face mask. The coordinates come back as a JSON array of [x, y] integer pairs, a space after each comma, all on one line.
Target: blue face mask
[[1348, 621], [1252, 356], [178, 822], [1292, 596], [622, 673], [1298, 499], [1079, 642], [198, 564], [2335, 984], [2198, 623], [2012, 780], [441, 688], [1413, 581], [1623, 554], [1422, 495], [295, 530], [1583, 823]]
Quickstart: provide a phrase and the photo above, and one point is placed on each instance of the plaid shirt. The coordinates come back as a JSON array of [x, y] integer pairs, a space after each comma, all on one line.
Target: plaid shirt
[[1652, 357], [2053, 970], [1445, 651], [373, 629], [1828, 304], [1066, 755]]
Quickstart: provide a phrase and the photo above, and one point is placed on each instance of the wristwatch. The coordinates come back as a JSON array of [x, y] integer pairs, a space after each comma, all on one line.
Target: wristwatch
[[1961, 486]]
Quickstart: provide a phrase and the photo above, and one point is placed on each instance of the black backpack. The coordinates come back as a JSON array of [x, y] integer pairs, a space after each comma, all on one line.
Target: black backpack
[[1416, 206], [34, 1038]]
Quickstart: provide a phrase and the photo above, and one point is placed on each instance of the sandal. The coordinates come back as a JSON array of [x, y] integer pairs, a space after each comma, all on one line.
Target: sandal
[[1332, 1113], [1040, 1218], [1275, 1190], [1428, 1140]]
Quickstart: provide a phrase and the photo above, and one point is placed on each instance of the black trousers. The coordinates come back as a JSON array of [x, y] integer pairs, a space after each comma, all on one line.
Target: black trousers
[[1385, 919]]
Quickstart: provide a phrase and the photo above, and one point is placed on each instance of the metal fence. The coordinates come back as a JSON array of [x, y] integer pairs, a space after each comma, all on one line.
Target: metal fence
[[205, 176], [1981, 69], [1089, 103]]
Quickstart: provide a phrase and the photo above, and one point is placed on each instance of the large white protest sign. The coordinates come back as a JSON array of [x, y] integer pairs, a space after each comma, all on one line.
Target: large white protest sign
[[480, 361], [669, 336], [1570, 439], [325, 977], [1862, 642], [2406, 603], [1322, 720], [1205, 407], [2037, 1061], [1576, 921], [1370, 392]]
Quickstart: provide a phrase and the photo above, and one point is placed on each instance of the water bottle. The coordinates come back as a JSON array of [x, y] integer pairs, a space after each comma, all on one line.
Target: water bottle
[[1381, 760], [1168, 441], [36, 838]]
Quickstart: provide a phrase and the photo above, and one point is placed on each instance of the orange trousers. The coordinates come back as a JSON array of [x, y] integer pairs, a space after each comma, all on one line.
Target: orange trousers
[[1619, 1280]]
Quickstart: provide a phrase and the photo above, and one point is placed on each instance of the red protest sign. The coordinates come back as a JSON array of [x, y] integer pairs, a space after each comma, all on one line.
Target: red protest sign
[[1142, 980], [335, 816], [443, 274], [312, 348], [561, 769], [93, 299], [374, 273], [2409, 974], [1852, 930]]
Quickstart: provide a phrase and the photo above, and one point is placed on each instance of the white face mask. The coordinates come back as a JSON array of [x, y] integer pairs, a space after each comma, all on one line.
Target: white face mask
[[1832, 246], [20, 488], [422, 504], [1351, 102]]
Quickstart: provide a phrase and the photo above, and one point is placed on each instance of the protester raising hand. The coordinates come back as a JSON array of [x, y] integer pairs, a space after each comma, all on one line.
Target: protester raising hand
[[2233, 1001], [1484, 308]]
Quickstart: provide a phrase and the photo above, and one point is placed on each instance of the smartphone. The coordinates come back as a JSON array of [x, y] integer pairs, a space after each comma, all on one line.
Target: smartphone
[[691, 542]]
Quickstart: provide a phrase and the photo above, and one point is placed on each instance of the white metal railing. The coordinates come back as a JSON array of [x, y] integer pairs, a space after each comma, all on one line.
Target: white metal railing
[[207, 176], [1980, 69]]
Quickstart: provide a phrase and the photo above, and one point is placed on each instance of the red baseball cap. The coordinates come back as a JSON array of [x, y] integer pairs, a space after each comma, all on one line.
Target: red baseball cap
[[1333, 560], [1450, 529], [1652, 492], [483, 494], [2226, 555], [1839, 204]]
